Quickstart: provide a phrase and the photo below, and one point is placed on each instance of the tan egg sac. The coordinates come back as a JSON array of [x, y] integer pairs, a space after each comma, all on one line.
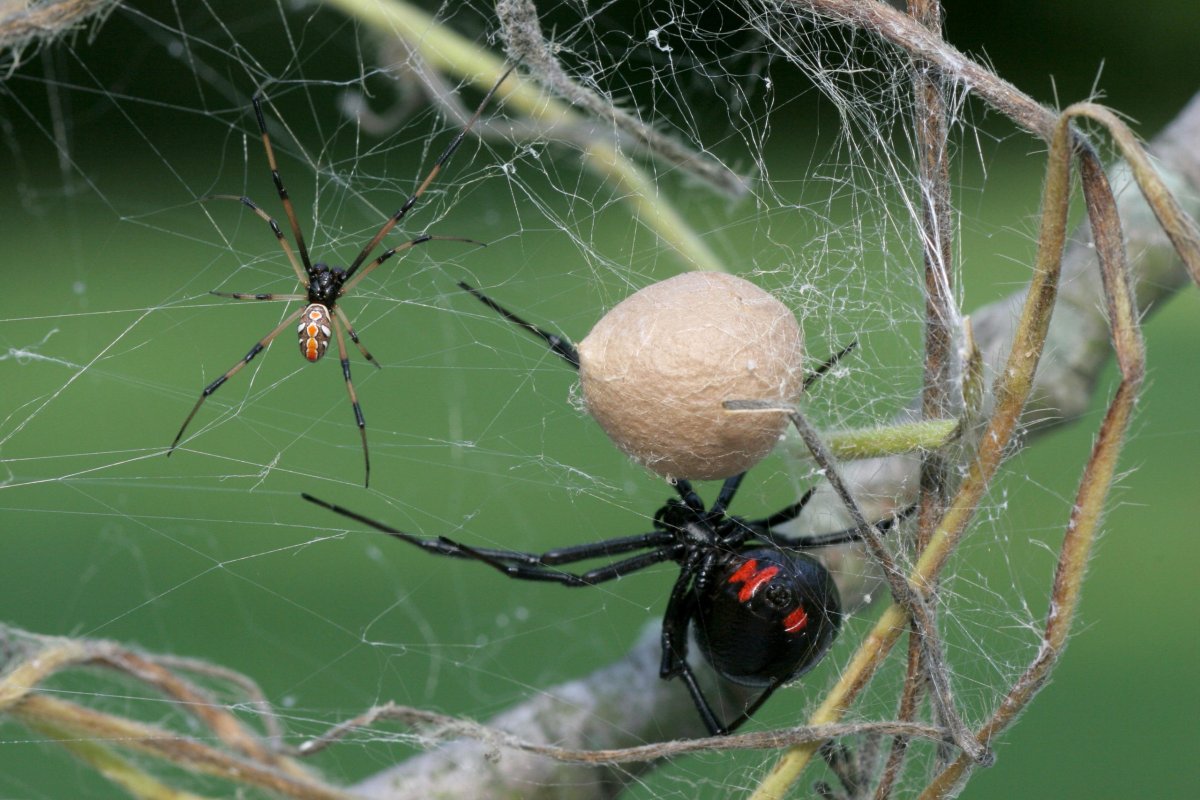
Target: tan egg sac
[[656, 369]]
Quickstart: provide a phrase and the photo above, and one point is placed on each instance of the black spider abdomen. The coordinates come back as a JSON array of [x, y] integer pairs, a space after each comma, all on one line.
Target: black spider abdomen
[[767, 617]]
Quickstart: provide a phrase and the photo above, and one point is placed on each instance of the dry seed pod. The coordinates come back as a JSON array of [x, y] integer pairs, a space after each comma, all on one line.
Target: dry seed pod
[[657, 367]]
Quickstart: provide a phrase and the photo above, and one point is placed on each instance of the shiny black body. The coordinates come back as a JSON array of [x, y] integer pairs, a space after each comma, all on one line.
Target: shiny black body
[[763, 611], [746, 641]]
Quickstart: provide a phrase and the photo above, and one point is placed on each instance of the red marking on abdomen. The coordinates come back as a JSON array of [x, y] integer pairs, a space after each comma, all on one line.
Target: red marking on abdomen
[[751, 578], [797, 620]]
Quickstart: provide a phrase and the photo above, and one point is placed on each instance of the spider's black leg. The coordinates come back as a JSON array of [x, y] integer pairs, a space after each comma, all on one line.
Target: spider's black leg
[[212, 387], [509, 560], [287, 249], [836, 537], [433, 173], [504, 560], [728, 490], [688, 495], [260, 296], [422, 239], [438, 546], [750, 710], [828, 364], [559, 345], [354, 336], [603, 549], [358, 415], [676, 620], [283, 194], [784, 515], [528, 572]]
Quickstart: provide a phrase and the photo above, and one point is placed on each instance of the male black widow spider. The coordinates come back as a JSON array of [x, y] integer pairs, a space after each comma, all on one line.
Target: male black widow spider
[[764, 612], [325, 285]]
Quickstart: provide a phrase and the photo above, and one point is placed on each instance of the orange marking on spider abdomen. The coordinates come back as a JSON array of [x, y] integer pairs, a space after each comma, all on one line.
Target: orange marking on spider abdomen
[[751, 578], [314, 331]]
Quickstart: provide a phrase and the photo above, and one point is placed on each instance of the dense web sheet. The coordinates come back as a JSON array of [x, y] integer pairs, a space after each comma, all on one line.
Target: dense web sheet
[[791, 160]]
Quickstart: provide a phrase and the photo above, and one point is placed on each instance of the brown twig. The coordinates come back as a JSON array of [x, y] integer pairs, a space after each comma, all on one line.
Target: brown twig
[[939, 398], [80, 722], [30, 660], [527, 46], [1011, 390], [1083, 524], [439, 727]]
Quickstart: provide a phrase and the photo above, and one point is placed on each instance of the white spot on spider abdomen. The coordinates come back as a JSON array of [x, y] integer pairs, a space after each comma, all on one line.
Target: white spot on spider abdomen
[[314, 331]]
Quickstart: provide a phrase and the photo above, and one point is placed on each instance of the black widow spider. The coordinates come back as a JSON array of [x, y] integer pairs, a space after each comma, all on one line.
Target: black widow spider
[[325, 285], [764, 612]]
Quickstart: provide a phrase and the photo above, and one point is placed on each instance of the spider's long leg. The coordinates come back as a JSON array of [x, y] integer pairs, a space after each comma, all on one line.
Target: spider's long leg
[[283, 194], [750, 710], [784, 515], [354, 336], [433, 173], [836, 537], [531, 566], [526, 572], [422, 239], [560, 345], [828, 364], [212, 387], [728, 490], [608, 547], [358, 415], [287, 248], [260, 296], [688, 494], [436, 545], [676, 620]]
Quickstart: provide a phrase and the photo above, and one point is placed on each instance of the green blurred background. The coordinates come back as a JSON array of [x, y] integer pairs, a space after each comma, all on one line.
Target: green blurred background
[[108, 334]]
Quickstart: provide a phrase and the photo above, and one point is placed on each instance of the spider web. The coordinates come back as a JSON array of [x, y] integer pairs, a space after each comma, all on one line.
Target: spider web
[[111, 142]]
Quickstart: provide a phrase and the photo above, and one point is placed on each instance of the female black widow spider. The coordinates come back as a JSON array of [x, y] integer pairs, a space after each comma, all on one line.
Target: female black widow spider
[[324, 285], [764, 612]]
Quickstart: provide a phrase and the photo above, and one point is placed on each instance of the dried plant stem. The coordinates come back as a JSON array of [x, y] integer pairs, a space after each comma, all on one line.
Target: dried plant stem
[[25, 26], [1098, 474], [29, 660], [1011, 390], [939, 398], [442, 727], [527, 46], [446, 51], [120, 771], [80, 722], [921, 43], [904, 593]]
